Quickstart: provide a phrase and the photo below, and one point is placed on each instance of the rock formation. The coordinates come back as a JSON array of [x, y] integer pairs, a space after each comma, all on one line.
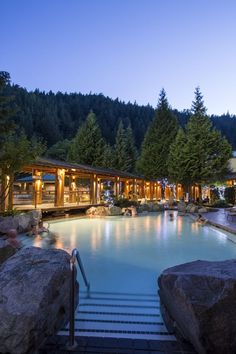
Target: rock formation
[[34, 298], [198, 303], [6, 251]]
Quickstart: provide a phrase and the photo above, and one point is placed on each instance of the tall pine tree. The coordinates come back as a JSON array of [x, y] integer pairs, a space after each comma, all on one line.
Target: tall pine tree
[[87, 147], [6, 111], [125, 151], [156, 145], [176, 163], [204, 156]]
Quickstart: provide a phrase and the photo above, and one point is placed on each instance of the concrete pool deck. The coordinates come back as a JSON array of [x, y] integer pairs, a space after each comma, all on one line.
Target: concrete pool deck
[[220, 220]]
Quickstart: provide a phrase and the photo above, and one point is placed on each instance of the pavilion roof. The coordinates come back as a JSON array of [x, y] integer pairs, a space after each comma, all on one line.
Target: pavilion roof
[[47, 162]]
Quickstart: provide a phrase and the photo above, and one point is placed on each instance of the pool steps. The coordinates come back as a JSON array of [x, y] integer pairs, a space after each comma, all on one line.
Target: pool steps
[[113, 315]]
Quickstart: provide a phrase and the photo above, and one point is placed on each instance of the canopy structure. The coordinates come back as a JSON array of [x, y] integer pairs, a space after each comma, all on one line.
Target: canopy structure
[[49, 183]]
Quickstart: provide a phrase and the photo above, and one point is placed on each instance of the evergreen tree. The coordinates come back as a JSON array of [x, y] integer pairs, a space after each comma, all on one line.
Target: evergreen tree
[[88, 145], [59, 150], [176, 162], [132, 152], [158, 138], [125, 150], [204, 157], [108, 157], [6, 112]]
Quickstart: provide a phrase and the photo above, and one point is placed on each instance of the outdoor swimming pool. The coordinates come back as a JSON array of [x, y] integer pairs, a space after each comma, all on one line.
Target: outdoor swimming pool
[[126, 254]]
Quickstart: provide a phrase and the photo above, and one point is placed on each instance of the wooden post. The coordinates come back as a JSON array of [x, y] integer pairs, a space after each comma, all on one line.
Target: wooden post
[[59, 187], [93, 189], [143, 189], [117, 187], [126, 191], [167, 192], [5, 192], [98, 190], [72, 189], [151, 190], [158, 191], [37, 188], [135, 186]]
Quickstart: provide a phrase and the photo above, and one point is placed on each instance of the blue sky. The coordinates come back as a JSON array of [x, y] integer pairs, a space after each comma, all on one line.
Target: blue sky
[[128, 49]]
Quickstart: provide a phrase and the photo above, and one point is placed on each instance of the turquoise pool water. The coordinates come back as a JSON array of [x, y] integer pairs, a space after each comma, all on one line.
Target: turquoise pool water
[[126, 254]]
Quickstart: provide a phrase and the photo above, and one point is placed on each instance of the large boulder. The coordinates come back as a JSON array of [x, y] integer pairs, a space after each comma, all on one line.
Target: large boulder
[[8, 223], [34, 298], [181, 206], [198, 303], [202, 210], [6, 250], [114, 210], [26, 220], [97, 211], [21, 222]]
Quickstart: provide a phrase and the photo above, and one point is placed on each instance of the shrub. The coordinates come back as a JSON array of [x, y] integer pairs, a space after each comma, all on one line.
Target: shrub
[[125, 203], [12, 212], [229, 195], [220, 204]]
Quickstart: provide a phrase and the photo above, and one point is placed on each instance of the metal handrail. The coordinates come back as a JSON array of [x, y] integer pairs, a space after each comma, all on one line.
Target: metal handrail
[[75, 256]]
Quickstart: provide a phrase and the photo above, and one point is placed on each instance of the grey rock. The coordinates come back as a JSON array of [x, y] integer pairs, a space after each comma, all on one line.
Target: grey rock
[[202, 210], [91, 211], [6, 250], [198, 303], [194, 209], [114, 210], [21, 222], [34, 298], [8, 223], [181, 206], [98, 211]]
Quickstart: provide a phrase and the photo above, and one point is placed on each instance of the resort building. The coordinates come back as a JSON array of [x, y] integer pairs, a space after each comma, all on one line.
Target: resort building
[[50, 185]]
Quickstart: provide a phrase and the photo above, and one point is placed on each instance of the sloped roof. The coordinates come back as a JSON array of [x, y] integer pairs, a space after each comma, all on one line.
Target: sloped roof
[[47, 162]]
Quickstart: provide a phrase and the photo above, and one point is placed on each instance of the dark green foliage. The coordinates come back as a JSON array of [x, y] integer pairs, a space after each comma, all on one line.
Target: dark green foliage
[[60, 150], [214, 195], [125, 151], [219, 203], [58, 116], [108, 157], [161, 133], [6, 110], [230, 195], [88, 145], [18, 151], [176, 162], [125, 203], [204, 156]]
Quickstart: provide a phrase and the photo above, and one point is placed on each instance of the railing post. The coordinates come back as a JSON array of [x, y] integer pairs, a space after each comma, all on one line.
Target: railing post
[[72, 342], [74, 257]]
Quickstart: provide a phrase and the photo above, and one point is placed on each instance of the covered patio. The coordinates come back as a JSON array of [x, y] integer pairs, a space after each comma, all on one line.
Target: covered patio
[[53, 185]]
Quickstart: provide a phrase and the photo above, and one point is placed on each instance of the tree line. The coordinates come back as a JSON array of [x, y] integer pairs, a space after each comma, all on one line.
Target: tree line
[[95, 130], [56, 117]]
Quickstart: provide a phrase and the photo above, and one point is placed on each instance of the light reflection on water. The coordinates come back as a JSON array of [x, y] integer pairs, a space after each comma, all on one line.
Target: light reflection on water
[[126, 254]]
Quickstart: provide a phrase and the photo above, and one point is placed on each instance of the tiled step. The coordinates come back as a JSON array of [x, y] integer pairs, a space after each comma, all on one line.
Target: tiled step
[[134, 316]]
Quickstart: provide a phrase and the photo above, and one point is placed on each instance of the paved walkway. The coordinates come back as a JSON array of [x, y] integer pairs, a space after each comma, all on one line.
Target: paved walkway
[[221, 220]]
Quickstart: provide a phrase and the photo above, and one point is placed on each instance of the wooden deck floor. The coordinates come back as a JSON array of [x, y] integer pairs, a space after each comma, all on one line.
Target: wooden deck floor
[[50, 207]]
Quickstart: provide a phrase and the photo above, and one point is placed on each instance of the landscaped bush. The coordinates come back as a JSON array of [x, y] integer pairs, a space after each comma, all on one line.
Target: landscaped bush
[[221, 204], [12, 212], [230, 195], [125, 203], [214, 195]]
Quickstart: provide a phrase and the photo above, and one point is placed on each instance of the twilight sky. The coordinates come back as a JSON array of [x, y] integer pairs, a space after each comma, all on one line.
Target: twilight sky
[[128, 49]]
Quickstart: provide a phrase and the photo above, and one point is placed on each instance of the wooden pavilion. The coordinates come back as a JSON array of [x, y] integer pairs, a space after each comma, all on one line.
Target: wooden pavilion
[[51, 184]]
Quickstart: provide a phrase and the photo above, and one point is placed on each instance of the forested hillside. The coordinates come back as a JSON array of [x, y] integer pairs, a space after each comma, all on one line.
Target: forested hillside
[[56, 117]]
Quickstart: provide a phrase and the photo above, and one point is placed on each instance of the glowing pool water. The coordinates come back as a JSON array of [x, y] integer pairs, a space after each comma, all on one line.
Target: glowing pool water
[[126, 254]]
